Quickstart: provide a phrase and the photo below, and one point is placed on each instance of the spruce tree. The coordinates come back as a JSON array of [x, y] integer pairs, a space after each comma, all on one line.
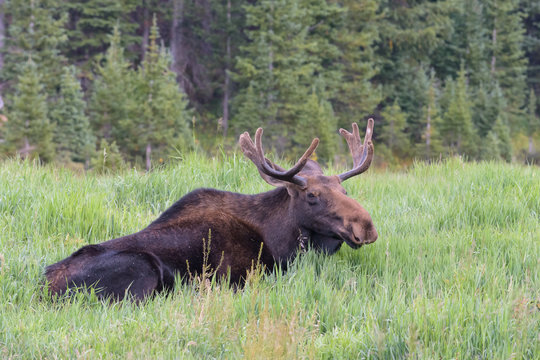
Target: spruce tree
[[112, 101], [357, 94], [502, 131], [532, 124], [316, 120], [73, 135], [457, 127], [285, 57], [392, 132], [36, 31], [162, 121], [107, 159], [90, 23], [29, 130], [431, 145], [508, 62]]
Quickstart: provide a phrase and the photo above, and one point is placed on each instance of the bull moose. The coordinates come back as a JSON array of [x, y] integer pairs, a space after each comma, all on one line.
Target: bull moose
[[307, 208]]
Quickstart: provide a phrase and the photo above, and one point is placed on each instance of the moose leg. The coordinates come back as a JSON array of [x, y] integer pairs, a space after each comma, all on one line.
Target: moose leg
[[112, 273]]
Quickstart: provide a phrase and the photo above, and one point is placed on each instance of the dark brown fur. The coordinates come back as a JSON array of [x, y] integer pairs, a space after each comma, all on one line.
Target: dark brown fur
[[234, 230]]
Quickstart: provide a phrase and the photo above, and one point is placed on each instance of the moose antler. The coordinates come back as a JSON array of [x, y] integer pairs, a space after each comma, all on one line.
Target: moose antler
[[267, 169], [362, 153]]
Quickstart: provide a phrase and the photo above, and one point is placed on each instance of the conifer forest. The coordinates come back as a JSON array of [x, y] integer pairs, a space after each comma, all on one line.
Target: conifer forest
[[103, 84]]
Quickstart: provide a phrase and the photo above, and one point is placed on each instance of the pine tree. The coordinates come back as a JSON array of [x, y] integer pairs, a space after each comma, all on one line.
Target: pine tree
[[90, 23], [107, 158], [29, 131], [36, 31], [502, 131], [357, 94], [162, 123], [112, 101], [533, 120], [392, 132], [431, 145], [488, 105], [72, 134], [508, 62], [284, 58], [316, 120], [457, 128]]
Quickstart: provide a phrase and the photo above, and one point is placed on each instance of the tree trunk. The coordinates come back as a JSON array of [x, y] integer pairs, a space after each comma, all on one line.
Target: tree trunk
[[148, 159], [531, 145], [225, 121]]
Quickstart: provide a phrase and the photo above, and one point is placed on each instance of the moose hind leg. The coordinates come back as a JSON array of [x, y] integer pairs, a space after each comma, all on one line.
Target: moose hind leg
[[113, 274]]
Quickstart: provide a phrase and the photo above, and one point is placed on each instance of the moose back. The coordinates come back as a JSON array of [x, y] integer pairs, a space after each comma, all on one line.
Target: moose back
[[306, 208]]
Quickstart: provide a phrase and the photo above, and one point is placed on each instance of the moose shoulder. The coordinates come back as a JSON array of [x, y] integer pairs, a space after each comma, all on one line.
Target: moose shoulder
[[229, 231]]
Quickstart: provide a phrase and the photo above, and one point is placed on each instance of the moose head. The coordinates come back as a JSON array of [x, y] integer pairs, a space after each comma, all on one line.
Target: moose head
[[323, 212]]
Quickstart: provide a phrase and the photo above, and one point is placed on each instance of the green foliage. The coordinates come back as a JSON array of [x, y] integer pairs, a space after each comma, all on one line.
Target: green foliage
[[283, 62], [36, 31], [532, 124], [72, 133], [90, 23], [452, 275], [392, 132], [243, 64], [457, 127], [357, 95], [508, 62], [111, 102], [29, 131], [316, 120], [107, 159], [431, 145], [162, 121]]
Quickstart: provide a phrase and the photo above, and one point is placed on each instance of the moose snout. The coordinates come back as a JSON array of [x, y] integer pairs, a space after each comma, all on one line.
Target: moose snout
[[363, 233]]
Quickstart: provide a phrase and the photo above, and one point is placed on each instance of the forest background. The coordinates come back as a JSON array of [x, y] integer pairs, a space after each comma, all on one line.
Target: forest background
[[109, 84]]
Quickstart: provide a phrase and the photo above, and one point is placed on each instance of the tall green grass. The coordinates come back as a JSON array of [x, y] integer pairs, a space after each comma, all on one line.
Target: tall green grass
[[455, 272]]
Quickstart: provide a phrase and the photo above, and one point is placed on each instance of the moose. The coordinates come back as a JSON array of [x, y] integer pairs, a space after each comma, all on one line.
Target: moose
[[305, 209]]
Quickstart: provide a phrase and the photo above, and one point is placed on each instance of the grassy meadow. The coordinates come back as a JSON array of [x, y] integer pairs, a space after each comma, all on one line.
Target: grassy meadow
[[455, 273]]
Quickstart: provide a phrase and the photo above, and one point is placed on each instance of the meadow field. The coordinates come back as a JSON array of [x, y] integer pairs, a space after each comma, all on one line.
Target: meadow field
[[455, 273]]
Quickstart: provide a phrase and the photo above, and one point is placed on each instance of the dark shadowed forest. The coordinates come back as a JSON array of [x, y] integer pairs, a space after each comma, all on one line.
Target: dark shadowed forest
[[101, 84]]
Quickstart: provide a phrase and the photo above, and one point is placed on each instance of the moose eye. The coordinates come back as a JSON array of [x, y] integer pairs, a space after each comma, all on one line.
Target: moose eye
[[311, 195]]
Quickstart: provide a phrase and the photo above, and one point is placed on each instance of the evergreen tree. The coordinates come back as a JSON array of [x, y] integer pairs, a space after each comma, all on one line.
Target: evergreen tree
[[490, 147], [107, 158], [531, 40], [488, 105], [392, 132], [112, 101], [36, 31], [533, 120], [431, 145], [316, 120], [410, 34], [457, 128], [283, 60], [508, 62], [162, 123], [502, 131], [29, 131], [357, 94], [90, 23], [72, 134]]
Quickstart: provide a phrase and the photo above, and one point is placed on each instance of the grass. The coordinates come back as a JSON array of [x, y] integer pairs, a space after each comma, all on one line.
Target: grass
[[455, 272]]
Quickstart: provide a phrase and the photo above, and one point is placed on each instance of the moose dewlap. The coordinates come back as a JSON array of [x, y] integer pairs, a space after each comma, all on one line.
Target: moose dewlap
[[307, 208]]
